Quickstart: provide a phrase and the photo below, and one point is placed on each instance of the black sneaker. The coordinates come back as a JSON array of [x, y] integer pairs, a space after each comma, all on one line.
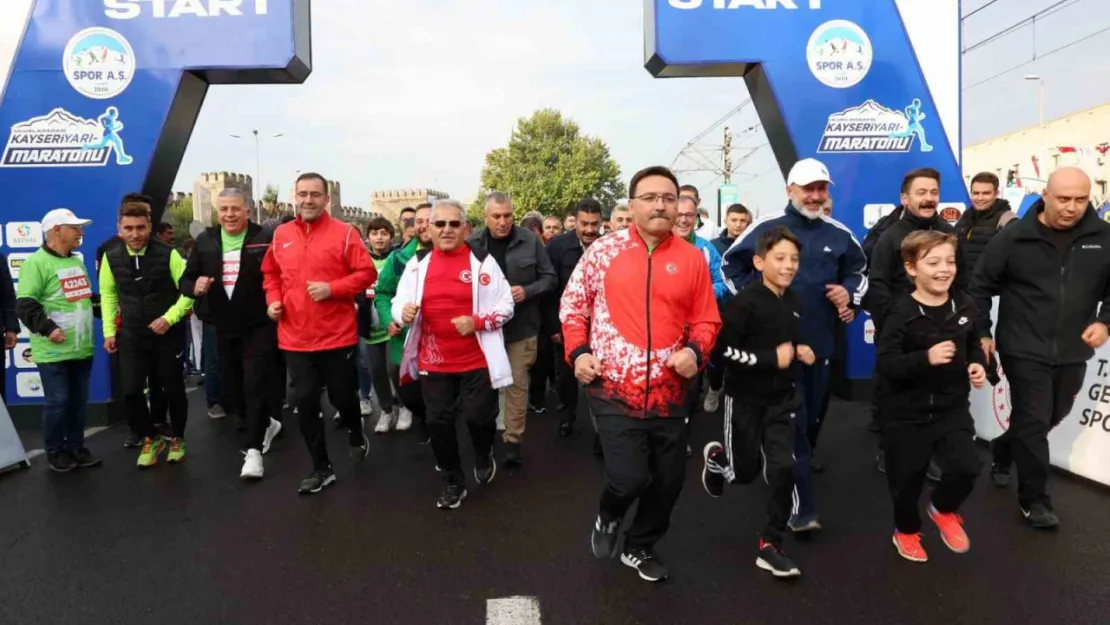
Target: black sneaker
[[513, 458], [360, 443], [599, 452], [85, 458], [484, 471], [60, 462], [422, 435], [815, 464], [933, 473], [566, 428], [133, 441], [880, 462], [1000, 475], [603, 538], [1039, 516], [714, 483], [452, 497], [773, 560], [317, 481], [646, 563]]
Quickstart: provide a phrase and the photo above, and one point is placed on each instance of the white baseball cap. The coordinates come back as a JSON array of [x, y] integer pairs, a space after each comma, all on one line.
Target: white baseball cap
[[808, 170], [62, 217]]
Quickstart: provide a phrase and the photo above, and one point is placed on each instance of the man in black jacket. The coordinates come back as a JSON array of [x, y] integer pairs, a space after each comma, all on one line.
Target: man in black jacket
[[9, 323], [564, 252], [1051, 272], [224, 274], [737, 220], [987, 216], [525, 263]]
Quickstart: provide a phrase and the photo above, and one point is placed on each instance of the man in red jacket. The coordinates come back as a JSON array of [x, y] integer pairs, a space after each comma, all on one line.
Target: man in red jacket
[[639, 321], [315, 267]]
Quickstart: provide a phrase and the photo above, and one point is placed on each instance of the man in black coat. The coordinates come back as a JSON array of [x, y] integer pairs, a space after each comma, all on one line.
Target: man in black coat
[[224, 275], [987, 216], [1051, 273]]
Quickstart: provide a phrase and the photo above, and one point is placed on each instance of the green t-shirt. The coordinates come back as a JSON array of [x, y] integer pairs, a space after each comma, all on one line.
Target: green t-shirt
[[63, 288], [232, 242], [377, 333]]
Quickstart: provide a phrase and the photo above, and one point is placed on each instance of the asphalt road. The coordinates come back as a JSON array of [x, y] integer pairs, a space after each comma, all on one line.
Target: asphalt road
[[194, 544]]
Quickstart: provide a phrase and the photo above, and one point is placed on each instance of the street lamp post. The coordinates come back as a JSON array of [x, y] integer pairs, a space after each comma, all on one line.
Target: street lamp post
[[258, 172], [1040, 96]]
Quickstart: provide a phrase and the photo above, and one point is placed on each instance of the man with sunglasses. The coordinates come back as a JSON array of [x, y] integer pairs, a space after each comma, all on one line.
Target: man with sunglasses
[[639, 320], [523, 260], [315, 267], [455, 300]]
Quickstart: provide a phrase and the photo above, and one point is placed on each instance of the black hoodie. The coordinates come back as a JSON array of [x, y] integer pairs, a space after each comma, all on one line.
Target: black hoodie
[[1046, 298], [976, 229], [754, 323]]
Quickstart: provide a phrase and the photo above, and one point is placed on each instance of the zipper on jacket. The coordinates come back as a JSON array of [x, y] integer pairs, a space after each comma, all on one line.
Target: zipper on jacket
[[647, 318], [1063, 300]]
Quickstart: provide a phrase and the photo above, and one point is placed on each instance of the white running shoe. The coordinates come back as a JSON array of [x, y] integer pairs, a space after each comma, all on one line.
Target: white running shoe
[[404, 420], [271, 432], [366, 407], [252, 466], [385, 423], [712, 400]]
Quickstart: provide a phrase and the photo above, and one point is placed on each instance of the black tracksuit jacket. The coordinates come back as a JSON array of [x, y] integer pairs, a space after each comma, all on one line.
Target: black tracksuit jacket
[[918, 392], [755, 322], [1046, 299], [247, 307]]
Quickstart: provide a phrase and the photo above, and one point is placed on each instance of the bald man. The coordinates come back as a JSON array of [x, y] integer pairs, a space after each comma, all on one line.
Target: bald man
[[1050, 271]]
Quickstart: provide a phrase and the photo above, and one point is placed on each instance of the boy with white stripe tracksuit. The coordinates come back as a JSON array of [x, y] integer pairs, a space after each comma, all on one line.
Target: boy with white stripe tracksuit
[[830, 259], [759, 346]]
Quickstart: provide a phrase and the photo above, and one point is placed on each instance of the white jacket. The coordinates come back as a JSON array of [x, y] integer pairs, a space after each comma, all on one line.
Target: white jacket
[[493, 305]]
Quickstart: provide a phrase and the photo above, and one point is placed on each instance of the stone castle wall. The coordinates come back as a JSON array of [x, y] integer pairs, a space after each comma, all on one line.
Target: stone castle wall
[[208, 186], [389, 203]]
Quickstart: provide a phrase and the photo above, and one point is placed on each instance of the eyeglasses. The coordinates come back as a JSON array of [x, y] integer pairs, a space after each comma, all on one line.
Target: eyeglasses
[[454, 223], [652, 198], [687, 215]]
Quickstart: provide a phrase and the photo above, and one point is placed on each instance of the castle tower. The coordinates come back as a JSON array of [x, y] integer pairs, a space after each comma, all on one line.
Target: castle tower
[[388, 204], [208, 186]]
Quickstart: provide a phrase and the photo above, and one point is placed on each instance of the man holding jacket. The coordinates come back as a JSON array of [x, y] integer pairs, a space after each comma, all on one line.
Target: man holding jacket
[[456, 301], [1051, 273], [830, 282], [313, 270], [525, 263], [224, 274]]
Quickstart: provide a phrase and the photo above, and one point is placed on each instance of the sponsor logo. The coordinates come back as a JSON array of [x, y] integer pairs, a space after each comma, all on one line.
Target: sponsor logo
[[15, 263], [99, 63], [963, 321], [465, 276], [839, 54], [28, 384], [872, 213], [62, 139], [23, 359], [130, 9], [484, 279], [950, 212], [755, 4], [872, 127], [23, 234], [1094, 246], [869, 332]]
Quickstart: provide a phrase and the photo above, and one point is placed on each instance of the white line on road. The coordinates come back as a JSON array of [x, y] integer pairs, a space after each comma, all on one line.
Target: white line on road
[[513, 611]]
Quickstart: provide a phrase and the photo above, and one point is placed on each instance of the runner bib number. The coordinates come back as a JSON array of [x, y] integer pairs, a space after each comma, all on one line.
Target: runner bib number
[[75, 284]]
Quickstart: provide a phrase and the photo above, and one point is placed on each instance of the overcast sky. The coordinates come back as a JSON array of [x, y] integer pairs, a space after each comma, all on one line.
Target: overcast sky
[[414, 93]]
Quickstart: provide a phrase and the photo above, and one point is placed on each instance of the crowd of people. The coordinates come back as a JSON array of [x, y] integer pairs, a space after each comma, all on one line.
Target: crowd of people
[[419, 324]]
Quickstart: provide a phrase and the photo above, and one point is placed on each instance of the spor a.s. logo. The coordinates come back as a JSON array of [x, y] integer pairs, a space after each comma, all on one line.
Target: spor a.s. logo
[[99, 63], [839, 54]]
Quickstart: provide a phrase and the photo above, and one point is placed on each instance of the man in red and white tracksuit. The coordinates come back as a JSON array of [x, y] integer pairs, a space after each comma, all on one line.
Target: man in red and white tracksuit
[[456, 300], [315, 267], [639, 321]]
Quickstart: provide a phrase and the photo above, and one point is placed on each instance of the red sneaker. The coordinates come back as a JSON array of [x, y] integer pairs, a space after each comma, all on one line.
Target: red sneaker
[[951, 526], [909, 547]]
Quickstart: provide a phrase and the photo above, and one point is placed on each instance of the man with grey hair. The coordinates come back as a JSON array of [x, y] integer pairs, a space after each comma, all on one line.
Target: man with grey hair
[[522, 258], [224, 275], [456, 301], [620, 218]]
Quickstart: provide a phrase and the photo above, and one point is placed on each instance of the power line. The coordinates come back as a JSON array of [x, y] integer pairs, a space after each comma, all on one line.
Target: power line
[[979, 9], [1032, 19], [1037, 58]]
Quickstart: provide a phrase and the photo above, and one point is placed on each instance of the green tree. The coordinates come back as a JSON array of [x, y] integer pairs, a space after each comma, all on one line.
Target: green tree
[[548, 166], [180, 215], [270, 197]]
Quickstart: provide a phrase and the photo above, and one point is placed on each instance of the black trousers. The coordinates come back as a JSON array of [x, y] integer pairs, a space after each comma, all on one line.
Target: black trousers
[[334, 369], [908, 448], [449, 396], [378, 356], [410, 395], [248, 369], [760, 436], [567, 387], [645, 459], [147, 357], [542, 370], [1041, 396], [715, 372]]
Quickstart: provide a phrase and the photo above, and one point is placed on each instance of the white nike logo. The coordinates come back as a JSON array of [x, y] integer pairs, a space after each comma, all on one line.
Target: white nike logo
[[285, 245], [827, 249], [179, 354]]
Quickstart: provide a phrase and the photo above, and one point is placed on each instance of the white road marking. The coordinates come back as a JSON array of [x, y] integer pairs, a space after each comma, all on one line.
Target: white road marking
[[513, 611]]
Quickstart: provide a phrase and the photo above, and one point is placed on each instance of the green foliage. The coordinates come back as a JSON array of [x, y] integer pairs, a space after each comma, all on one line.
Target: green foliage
[[549, 166], [180, 215], [271, 195]]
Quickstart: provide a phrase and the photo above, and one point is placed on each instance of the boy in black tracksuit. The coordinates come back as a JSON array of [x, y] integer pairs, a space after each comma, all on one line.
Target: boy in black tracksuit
[[930, 355], [758, 348]]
